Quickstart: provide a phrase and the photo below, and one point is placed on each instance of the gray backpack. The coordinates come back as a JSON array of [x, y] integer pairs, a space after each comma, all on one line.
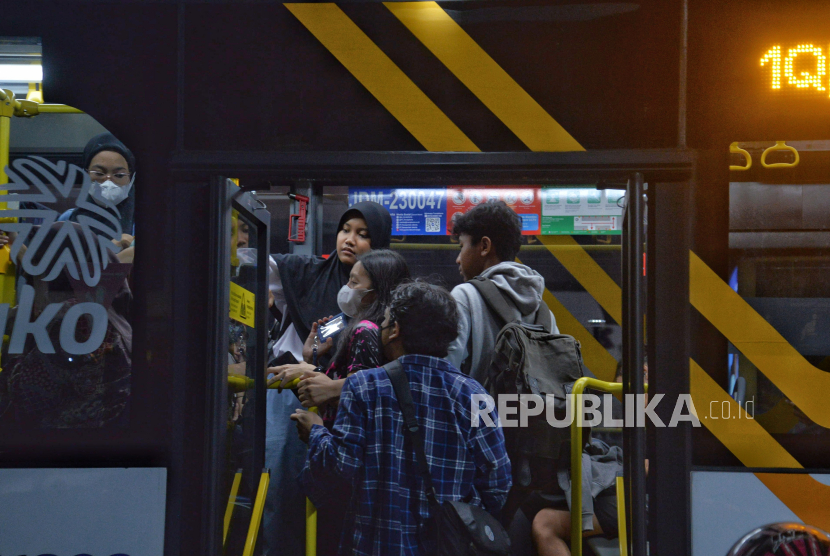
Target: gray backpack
[[529, 359]]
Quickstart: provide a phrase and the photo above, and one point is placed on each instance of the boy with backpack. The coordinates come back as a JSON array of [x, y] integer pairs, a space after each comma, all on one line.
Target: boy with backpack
[[490, 236], [508, 340]]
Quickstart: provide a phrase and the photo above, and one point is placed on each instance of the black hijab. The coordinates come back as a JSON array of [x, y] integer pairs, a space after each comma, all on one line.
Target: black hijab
[[108, 142], [311, 284]]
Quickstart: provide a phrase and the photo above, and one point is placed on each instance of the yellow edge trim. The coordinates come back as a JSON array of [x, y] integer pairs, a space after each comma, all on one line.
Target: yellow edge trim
[[379, 74], [483, 76], [753, 336], [587, 272]]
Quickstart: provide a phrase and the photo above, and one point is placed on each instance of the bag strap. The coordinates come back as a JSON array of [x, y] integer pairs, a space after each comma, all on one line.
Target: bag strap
[[502, 307], [493, 298], [401, 386]]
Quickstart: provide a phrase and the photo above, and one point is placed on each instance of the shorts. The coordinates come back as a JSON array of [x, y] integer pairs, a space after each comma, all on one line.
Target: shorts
[[605, 508]]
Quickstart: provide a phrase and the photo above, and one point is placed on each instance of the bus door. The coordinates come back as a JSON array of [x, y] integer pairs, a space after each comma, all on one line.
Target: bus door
[[236, 433], [599, 267]]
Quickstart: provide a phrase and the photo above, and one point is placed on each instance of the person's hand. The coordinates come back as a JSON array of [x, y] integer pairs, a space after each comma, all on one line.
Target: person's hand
[[305, 420], [317, 389], [286, 373], [4, 239], [126, 255], [308, 346], [125, 241]]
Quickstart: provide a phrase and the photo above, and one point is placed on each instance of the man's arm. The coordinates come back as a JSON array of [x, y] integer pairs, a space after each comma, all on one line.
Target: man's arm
[[457, 352], [336, 457]]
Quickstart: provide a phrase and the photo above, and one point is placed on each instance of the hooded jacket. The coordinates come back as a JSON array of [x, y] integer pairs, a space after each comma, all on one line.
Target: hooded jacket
[[478, 328]]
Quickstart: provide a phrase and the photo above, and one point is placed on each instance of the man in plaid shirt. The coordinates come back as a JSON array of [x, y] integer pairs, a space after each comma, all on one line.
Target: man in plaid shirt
[[368, 451]]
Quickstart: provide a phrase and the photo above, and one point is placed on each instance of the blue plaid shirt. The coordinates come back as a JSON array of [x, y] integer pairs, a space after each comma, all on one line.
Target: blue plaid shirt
[[366, 451]]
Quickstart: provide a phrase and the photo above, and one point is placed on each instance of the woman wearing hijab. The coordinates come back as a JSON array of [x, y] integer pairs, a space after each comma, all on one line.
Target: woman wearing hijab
[[305, 290], [111, 168]]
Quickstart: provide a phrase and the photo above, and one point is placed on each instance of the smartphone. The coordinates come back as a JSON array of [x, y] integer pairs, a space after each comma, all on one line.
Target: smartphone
[[332, 328]]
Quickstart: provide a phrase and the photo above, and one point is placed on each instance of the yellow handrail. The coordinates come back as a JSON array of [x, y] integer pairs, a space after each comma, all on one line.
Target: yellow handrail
[[237, 478], [256, 516], [623, 535], [576, 454], [734, 148], [780, 146], [310, 529]]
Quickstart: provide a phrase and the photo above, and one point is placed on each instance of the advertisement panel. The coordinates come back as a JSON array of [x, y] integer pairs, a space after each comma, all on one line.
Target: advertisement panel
[[415, 211], [525, 200], [577, 210]]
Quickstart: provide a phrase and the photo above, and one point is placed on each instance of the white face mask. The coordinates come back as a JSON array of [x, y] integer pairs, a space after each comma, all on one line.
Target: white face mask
[[349, 300], [109, 191]]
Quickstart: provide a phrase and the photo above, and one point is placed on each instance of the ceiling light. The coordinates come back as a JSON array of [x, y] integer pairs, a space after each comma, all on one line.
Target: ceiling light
[[21, 73]]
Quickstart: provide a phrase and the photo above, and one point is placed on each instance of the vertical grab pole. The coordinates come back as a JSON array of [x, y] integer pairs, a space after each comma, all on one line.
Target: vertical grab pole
[[7, 273], [633, 332], [310, 529], [256, 515]]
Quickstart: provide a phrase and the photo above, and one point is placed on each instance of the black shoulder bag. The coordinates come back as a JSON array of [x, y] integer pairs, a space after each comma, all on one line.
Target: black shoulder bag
[[456, 528]]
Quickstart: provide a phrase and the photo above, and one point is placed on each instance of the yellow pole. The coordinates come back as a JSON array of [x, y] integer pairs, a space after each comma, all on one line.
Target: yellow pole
[[6, 266], [576, 455], [621, 517], [310, 529], [256, 516], [237, 478]]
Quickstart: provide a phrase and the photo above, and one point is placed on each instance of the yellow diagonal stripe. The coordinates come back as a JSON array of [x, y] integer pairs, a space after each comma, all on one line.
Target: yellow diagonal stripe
[[483, 76], [587, 272], [741, 434], [744, 437], [375, 71], [594, 354], [753, 336]]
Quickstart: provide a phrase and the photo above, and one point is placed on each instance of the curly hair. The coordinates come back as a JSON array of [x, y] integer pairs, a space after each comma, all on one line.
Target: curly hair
[[427, 316], [495, 220]]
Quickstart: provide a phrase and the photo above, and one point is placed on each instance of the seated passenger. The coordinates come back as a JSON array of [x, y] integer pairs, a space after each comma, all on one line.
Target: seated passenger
[[366, 449], [57, 389], [111, 167], [552, 522], [490, 236]]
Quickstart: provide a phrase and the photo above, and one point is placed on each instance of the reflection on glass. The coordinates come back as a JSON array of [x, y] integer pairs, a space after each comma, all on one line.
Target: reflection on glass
[[240, 475], [779, 264], [66, 361]]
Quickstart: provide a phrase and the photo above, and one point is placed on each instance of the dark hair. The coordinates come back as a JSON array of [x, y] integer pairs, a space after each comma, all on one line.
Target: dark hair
[[427, 316], [386, 269], [495, 220]]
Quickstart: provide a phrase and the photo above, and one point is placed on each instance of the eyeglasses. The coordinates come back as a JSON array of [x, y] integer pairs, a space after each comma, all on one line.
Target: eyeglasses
[[95, 174]]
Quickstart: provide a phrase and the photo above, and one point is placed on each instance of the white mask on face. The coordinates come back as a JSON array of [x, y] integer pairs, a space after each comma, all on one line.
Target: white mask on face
[[109, 191], [349, 300]]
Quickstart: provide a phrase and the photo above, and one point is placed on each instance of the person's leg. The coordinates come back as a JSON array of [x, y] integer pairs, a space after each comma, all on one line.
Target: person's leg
[[552, 529]]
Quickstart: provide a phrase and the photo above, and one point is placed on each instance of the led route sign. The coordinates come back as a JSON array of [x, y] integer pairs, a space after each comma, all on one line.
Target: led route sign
[[803, 68]]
